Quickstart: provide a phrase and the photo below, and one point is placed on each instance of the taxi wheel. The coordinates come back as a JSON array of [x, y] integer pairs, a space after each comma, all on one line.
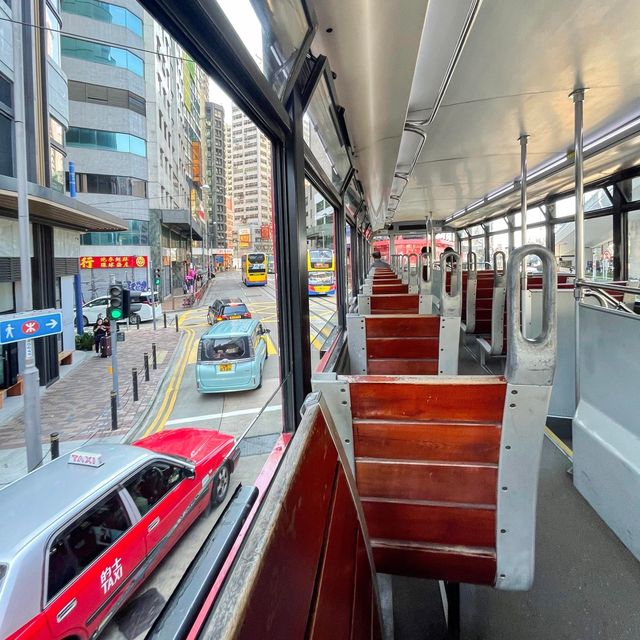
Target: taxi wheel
[[220, 485]]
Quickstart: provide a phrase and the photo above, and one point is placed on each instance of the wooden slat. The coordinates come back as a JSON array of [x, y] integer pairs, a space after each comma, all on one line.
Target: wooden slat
[[331, 616], [378, 289], [434, 481], [403, 347], [395, 301], [402, 367], [475, 566], [461, 442], [480, 399], [403, 325], [432, 523]]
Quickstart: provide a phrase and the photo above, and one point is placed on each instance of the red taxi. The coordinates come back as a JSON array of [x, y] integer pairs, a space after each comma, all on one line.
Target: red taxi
[[82, 533]]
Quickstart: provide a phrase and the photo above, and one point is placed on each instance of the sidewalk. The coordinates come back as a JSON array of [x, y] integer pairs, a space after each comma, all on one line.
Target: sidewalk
[[78, 406]]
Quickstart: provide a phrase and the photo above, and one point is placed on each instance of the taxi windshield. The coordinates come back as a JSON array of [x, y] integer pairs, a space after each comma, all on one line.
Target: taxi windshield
[[215, 349]]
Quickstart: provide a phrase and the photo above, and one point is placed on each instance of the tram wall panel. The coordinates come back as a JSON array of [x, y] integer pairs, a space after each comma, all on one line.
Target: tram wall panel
[[606, 429], [563, 393]]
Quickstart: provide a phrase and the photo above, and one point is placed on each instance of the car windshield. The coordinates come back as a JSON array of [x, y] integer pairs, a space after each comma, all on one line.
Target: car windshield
[[234, 309], [215, 349]]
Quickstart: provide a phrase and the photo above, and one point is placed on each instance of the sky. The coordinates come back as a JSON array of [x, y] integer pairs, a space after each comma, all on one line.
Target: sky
[[242, 16]]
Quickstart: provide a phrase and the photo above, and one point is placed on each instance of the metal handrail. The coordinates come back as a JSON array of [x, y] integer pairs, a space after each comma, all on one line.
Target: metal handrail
[[603, 286], [606, 299]]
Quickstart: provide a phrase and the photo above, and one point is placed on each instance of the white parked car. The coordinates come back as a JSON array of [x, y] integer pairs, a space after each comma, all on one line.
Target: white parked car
[[140, 307]]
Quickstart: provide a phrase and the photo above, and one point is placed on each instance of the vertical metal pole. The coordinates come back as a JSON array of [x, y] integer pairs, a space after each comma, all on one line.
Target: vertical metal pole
[[154, 356], [177, 327], [114, 411], [523, 187], [30, 375], [164, 319], [134, 376], [153, 292], [55, 445], [146, 367], [114, 355], [578, 101], [433, 241]]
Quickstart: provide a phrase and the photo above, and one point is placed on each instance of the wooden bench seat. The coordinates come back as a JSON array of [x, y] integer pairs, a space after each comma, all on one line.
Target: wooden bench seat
[[306, 569]]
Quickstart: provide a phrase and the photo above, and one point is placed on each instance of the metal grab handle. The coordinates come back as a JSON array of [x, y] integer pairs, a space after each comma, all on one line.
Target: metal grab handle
[[425, 263], [531, 360], [394, 263], [450, 302], [404, 265], [413, 275], [472, 264], [497, 271]]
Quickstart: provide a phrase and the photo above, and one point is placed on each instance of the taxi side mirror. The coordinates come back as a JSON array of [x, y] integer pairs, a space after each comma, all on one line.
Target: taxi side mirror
[[265, 331], [189, 473]]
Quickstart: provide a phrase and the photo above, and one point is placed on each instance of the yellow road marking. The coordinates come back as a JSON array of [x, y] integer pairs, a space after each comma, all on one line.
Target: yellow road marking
[[173, 388], [568, 451], [193, 353], [271, 348]]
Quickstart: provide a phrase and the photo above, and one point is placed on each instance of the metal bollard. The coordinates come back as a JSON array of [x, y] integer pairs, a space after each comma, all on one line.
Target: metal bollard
[[164, 316], [134, 375], [177, 328], [146, 367], [137, 322], [154, 356], [114, 411], [55, 445]]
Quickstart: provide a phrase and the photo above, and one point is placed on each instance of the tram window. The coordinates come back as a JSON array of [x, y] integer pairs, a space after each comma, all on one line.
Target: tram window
[[534, 216], [273, 34], [535, 235], [499, 242], [321, 265], [633, 247], [598, 248]]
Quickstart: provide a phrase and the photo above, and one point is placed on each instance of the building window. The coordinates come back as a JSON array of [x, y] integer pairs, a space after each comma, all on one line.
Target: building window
[[56, 160], [6, 149], [102, 54], [106, 140], [136, 235], [52, 35], [105, 12], [108, 96], [109, 185]]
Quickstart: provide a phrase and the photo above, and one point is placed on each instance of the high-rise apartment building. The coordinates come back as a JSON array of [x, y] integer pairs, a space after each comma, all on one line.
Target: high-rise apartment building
[[251, 184], [217, 214], [228, 179]]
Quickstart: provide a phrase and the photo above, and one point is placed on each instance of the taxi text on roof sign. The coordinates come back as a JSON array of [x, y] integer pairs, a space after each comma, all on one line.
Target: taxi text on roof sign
[[85, 458], [113, 262]]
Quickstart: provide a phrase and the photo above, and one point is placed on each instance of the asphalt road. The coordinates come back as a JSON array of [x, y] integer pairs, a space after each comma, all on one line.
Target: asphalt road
[[182, 406]]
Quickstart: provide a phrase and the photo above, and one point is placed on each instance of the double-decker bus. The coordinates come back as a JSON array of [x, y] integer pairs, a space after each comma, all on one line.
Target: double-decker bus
[[254, 269], [322, 272]]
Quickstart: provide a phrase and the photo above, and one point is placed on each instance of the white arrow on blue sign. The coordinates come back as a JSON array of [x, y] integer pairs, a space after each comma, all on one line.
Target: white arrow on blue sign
[[28, 325]]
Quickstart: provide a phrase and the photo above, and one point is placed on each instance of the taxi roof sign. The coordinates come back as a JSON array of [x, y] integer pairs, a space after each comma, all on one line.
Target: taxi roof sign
[[86, 459]]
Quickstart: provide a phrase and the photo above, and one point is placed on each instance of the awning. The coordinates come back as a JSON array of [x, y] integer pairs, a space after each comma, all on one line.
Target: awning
[[178, 219], [49, 206]]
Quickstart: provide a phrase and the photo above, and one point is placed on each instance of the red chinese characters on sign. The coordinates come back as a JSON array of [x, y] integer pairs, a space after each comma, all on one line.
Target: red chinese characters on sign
[[113, 262]]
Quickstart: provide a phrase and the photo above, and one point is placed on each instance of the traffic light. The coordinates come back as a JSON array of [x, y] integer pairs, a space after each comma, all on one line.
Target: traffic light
[[126, 303], [157, 276], [115, 310]]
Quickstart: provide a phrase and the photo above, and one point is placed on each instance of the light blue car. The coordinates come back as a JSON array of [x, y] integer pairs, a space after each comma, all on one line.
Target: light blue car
[[231, 357]]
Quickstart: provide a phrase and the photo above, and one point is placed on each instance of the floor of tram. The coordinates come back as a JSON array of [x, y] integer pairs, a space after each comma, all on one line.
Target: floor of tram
[[587, 583]]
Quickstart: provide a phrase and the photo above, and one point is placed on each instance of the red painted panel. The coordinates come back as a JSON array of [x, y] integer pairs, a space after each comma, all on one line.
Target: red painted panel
[[401, 367], [475, 566], [390, 288], [461, 442], [403, 325], [444, 399], [332, 614], [401, 301], [431, 523], [436, 481]]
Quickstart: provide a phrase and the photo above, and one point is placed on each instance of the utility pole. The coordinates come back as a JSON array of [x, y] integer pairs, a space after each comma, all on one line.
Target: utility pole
[[30, 376], [152, 287]]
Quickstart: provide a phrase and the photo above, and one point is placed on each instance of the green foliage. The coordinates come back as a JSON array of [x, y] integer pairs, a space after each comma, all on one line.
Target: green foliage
[[85, 342]]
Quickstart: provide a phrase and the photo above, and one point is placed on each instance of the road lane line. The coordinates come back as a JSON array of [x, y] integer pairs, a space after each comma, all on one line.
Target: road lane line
[[217, 416]]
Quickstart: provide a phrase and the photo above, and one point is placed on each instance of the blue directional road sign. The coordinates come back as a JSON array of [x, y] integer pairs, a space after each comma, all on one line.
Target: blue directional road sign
[[32, 324]]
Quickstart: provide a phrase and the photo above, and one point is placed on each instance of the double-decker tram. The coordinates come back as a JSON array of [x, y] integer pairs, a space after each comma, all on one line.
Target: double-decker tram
[[254, 269], [460, 457], [322, 272]]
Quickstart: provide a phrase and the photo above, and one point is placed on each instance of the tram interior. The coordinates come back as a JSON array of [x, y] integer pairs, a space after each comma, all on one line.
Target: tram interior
[[466, 462]]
